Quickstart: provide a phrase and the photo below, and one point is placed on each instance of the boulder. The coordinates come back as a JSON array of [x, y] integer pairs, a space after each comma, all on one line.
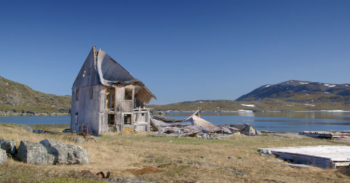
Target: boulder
[[246, 129], [250, 130], [9, 146], [34, 153], [239, 126], [66, 153], [91, 138], [50, 152], [3, 156], [27, 128], [79, 139]]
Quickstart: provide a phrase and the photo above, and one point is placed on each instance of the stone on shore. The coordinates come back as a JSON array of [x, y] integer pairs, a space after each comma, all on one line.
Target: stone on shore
[[3, 156], [246, 129], [9, 146]]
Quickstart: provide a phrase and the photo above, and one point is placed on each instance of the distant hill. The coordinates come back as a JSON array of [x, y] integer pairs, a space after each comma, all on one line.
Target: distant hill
[[286, 96], [19, 98], [291, 95], [205, 105], [301, 91]]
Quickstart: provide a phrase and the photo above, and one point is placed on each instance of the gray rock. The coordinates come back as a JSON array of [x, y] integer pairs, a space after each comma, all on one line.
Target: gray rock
[[231, 157], [3, 156], [50, 152], [246, 129], [9, 146], [34, 153], [79, 139], [27, 128], [66, 153], [250, 130]]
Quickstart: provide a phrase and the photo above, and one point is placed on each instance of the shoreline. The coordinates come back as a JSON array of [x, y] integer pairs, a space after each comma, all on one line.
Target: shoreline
[[13, 114], [247, 111]]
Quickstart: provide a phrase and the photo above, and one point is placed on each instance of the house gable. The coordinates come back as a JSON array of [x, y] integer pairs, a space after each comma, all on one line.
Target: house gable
[[88, 75]]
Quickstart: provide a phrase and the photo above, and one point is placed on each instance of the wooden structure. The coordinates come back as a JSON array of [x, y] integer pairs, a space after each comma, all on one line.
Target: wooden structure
[[321, 156], [158, 122], [106, 97], [326, 134]]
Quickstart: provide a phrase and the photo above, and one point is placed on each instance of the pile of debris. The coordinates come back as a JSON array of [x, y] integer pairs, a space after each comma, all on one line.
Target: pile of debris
[[336, 135], [195, 126]]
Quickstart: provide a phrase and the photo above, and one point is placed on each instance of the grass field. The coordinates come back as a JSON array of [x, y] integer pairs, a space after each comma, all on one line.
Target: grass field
[[164, 159]]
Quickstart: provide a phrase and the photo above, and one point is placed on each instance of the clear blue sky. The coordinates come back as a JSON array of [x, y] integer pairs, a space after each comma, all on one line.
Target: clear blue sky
[[181, 49]]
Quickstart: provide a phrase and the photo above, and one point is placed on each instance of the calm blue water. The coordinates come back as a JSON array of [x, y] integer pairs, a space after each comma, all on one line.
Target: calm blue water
[[283, 122], [33, 120]]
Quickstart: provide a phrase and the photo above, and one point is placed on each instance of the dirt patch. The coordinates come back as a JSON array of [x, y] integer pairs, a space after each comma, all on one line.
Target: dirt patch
[[145, 170]]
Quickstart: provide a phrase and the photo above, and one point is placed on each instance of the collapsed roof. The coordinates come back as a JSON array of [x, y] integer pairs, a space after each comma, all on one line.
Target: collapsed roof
[[100, 69], [194, 120]]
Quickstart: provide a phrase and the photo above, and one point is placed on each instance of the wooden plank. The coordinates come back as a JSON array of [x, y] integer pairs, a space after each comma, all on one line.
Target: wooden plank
[[294, 165], [322, 156]]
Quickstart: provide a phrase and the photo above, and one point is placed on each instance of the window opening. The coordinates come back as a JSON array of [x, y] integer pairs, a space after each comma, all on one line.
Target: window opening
[[76, 118], [110, 94], [107, 98], [77, 95], [128, 93], [143, 118], [111, 119], [91, 92], [127, 119]]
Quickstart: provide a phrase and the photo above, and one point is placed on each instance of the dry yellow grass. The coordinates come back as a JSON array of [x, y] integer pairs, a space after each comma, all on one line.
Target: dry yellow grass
[[161, 159]]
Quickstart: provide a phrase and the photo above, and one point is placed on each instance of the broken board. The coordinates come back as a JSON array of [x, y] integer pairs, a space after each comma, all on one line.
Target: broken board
[[321, 156]]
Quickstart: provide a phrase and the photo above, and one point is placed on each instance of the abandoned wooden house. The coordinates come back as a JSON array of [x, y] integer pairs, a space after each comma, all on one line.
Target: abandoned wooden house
[[106, 97]]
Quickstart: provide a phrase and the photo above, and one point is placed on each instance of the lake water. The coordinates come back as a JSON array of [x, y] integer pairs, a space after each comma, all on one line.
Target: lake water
[[272, 121]]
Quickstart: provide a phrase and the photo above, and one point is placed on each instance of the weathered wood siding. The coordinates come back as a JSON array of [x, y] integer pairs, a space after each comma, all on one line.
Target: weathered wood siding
[[87, 109], [102, 110], [122, 106], [88, 75]]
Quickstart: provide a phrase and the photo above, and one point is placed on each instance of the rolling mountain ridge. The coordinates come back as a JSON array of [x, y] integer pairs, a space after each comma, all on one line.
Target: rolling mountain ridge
[[291, 95], [19, 98], [301, 91]]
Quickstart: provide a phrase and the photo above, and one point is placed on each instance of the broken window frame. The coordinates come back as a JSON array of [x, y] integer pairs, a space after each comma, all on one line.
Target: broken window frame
[[111, 120], [110, 97], [131, 118], [128, 93]]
